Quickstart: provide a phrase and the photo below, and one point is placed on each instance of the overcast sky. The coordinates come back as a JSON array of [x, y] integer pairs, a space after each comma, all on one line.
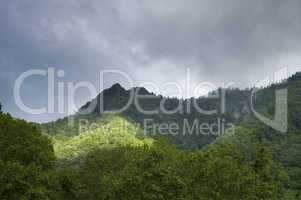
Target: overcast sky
[[220, 41]]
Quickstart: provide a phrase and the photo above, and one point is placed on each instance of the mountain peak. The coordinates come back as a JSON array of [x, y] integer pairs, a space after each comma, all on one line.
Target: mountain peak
[[115, 88]]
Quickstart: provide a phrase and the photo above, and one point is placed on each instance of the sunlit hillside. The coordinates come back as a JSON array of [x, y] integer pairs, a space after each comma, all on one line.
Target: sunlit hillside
[[110, 132]]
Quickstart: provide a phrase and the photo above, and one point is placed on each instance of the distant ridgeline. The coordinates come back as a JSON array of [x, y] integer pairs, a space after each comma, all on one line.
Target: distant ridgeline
[[182, 119]]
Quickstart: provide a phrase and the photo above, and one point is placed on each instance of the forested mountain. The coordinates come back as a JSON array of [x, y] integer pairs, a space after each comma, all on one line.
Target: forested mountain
[[177, 111], [236, 109], [116, 159]]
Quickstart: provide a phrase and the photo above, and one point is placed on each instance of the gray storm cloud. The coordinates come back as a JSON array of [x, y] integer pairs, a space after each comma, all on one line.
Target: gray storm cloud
[[220, 41]]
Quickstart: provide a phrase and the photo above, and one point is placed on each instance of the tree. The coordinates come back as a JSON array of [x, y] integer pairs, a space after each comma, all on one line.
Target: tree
[[25, 157]]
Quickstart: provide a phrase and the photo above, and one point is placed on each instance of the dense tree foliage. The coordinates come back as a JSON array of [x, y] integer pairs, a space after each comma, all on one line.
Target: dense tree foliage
[[25, 154], [27, 163], [155, 170], [163, 172]]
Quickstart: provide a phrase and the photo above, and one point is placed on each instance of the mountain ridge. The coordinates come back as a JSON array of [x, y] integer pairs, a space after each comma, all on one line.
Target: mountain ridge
[[237, 104]]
